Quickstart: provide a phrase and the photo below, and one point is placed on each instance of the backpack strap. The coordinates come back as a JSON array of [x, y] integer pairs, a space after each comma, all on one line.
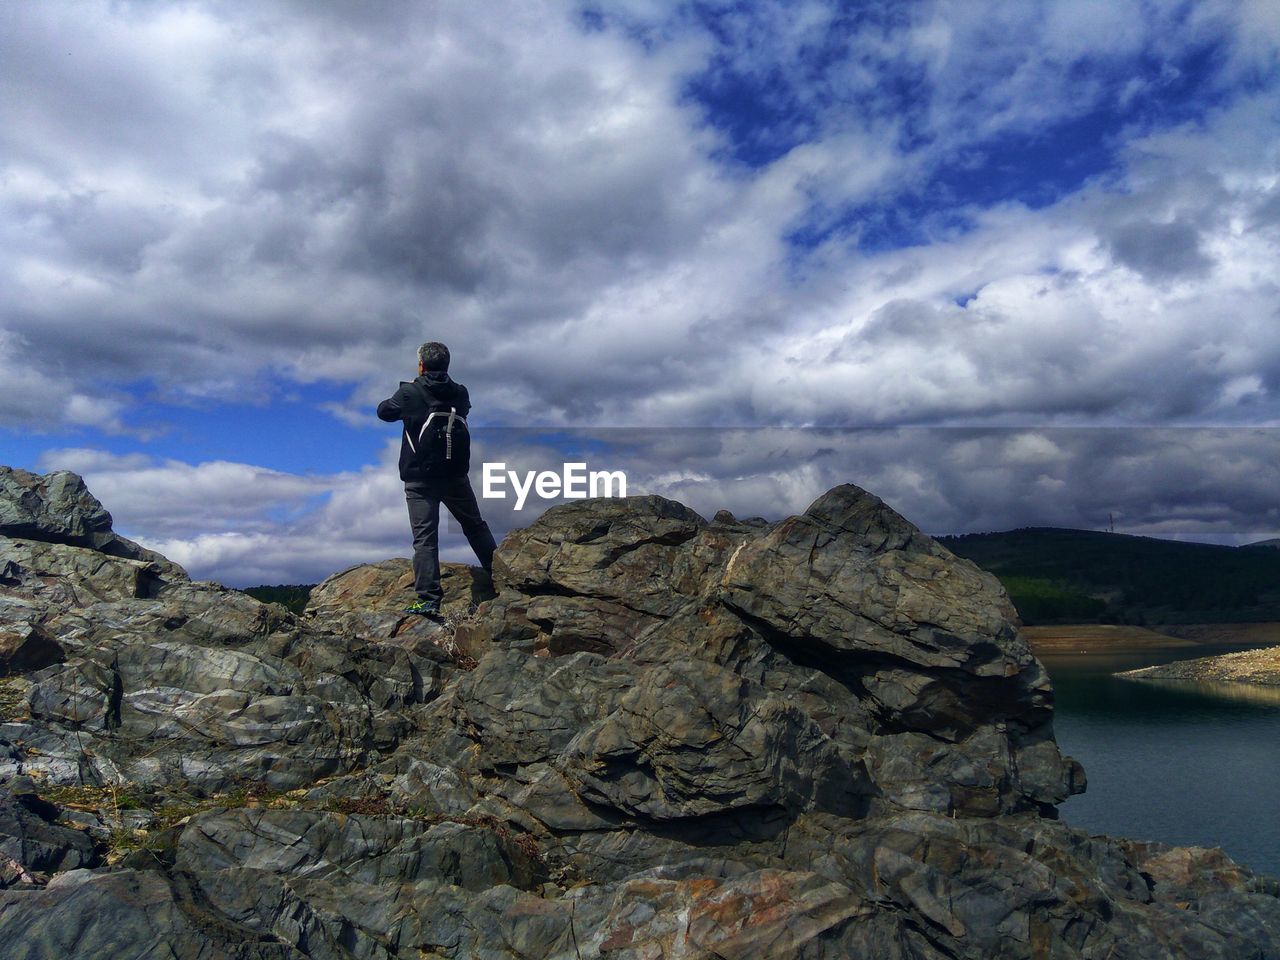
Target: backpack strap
[[448, 433]]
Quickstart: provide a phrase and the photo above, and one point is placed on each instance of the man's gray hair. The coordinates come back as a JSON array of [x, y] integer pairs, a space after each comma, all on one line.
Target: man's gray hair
[[434, 356]]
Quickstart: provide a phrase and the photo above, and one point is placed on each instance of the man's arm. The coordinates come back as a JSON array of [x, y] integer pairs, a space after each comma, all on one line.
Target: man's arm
[[390, 409]]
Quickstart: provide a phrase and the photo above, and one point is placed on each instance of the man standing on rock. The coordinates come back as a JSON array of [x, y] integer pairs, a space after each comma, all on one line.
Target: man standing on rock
[[435, 454]]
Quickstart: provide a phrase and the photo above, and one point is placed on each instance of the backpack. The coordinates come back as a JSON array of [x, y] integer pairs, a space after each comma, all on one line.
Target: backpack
[[441, 444]]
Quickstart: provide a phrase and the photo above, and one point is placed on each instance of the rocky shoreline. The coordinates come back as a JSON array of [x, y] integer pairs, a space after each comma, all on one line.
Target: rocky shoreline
[[1260, 667], [1097, 638], [660, 736]]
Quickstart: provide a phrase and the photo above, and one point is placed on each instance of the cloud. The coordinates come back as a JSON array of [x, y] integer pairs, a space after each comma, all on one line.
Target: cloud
[[163, 496], [1104, 307], [1160, 250], [338, 218], [242, 525], [225, 212], [989, 214], [28, 396]]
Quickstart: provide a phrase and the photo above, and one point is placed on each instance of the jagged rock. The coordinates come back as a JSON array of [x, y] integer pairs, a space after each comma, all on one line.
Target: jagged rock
[[55, 508], [58, 508], [818, 738], [219, 691], [63, 576], [136, 674], [847, 622], [364, 849], [129, 913], [31, 841], [1193, 873], [27, 647], [693, 738], [597, 575], [360, 595]]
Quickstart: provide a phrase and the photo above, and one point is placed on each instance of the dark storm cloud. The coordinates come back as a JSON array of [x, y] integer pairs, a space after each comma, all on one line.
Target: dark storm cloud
[[1160, 251], [237, 187]]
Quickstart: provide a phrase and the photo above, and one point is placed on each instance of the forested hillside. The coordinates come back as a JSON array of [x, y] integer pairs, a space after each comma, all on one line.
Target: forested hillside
[[1076, 576]]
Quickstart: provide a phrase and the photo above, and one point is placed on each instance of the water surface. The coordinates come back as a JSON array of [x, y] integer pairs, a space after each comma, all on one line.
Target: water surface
[[1191, 764]]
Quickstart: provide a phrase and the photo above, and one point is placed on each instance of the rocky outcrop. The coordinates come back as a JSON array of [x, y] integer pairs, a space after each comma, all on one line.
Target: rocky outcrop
[[842, 641], [657, 736], [58, 508], [369, 599], [131, 673]]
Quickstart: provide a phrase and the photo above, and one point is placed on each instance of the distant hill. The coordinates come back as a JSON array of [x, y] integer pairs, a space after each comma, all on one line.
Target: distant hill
[[1055, 575], [1274, 543]]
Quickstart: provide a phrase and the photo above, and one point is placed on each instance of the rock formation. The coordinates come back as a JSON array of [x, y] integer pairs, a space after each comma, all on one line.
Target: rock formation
[[662, 736]]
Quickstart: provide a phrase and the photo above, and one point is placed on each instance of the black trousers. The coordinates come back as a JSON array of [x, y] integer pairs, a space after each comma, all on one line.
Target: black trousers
[[424, 498]]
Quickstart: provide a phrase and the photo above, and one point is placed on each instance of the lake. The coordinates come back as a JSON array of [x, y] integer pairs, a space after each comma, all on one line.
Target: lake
[[1187, 764]]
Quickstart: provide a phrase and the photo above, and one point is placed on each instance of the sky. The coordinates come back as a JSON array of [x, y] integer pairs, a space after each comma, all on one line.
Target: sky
[[1000, 263]]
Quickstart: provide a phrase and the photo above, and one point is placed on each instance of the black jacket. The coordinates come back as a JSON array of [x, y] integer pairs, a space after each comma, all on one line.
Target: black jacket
[[412, 403]]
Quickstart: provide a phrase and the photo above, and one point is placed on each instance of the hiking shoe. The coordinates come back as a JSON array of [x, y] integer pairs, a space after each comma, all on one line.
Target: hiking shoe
[[423, 608]]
